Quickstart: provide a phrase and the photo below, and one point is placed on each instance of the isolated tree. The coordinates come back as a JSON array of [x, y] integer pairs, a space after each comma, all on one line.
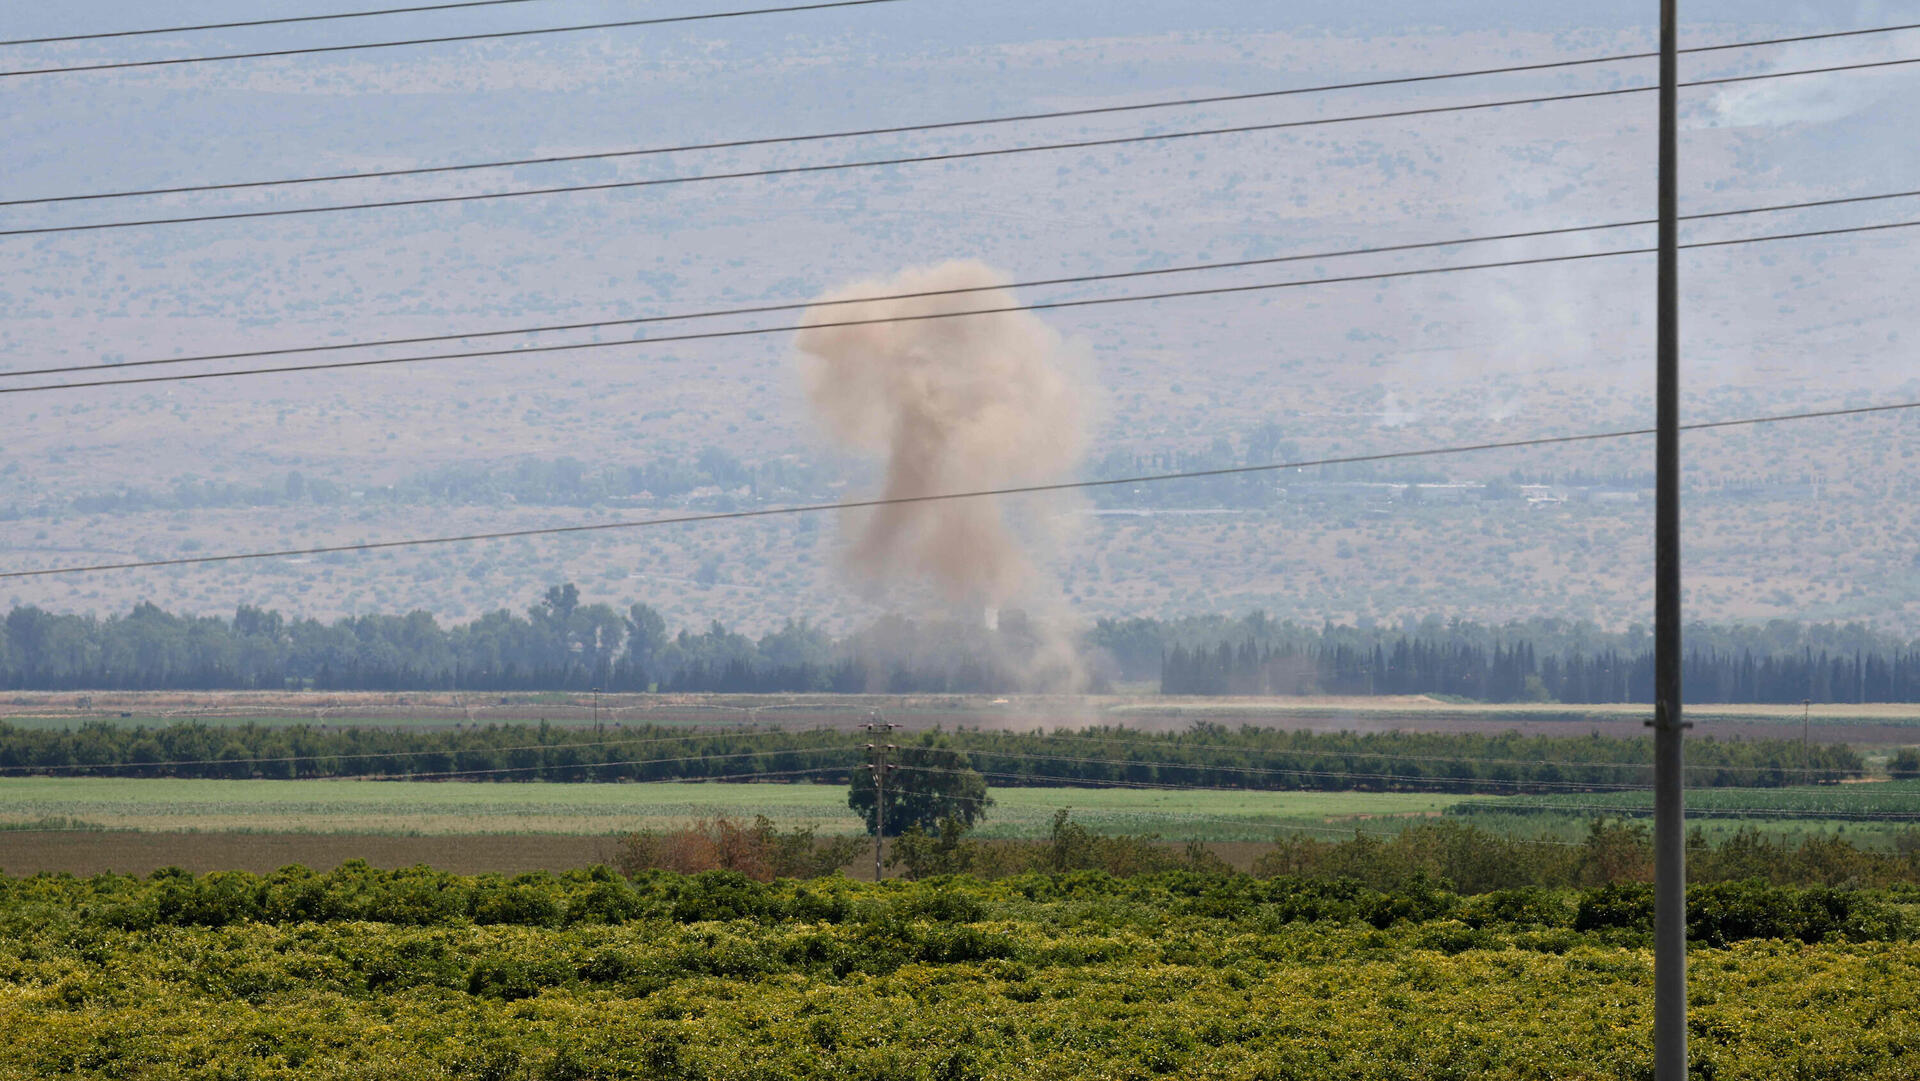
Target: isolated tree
[[928, 783], [1905, 766]]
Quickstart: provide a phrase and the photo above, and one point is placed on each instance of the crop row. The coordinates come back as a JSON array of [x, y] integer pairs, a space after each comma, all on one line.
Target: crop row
[[1205, 755]]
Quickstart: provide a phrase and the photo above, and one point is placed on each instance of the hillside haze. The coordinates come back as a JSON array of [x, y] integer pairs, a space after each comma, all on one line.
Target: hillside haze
[[1812, 520]]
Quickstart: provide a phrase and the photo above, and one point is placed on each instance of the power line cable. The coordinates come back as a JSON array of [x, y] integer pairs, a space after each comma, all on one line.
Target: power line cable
[[1397, 778], [1243, 822], [1159, 786], [984, 754], [762, 731], [733, 144], [1704, 810], [266, 22], [1028, 489], [1248, 822], [1079, 279], [716, 733], [503, 771], [740, 778], [958, 155], [712, 335], [506, 770], [494, 35], [1564, 763], [1183, 788]]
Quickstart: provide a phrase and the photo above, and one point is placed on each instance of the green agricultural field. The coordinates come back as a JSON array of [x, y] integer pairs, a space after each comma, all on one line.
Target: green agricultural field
[[387, 807], [1869, 836], [1209, 816], [1883, 816], [1887, 801]]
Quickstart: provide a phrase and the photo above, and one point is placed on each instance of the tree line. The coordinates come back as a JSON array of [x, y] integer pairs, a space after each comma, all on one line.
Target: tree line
[[1516, 673], [1206, 755], [560, 643], [494, 752], [1217, 756], [564, 642]]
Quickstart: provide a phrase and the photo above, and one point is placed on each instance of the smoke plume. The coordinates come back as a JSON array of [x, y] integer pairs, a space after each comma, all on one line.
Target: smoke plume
[[948, 405]]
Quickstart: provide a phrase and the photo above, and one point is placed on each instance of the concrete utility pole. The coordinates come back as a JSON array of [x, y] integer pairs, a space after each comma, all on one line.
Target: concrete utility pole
[[879, 767], [1669, 802]]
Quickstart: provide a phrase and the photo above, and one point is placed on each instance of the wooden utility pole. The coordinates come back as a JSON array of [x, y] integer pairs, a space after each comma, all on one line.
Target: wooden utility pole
[[878, 765]]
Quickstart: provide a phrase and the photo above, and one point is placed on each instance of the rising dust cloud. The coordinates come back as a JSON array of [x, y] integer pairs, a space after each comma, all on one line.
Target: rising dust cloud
[[948, 405]]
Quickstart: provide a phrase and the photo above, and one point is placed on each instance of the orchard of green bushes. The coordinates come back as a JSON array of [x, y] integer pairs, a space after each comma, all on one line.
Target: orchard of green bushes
[[363, 973]]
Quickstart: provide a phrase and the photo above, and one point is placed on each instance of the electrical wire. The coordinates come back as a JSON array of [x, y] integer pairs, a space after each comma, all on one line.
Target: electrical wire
[[713, 335], [266, 22], [7, 829], [1562, 763], [1177, 788], [503, 771], [1246, 822], [1167, 786], [439, 775], [494, 35], [957, 155], [1396, 778], [1697, 811], [985, 755], [1078, 279], [715, 733], [738, 732], [1027, 489], [733, 144]]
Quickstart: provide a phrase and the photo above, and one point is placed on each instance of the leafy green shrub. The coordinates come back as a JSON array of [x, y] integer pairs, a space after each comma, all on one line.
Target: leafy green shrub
[[512, 978], [494, 1060], [528, 901], [1418, 902], [1625, 906], [613, 901], [610, 966], [1732, 912], [944, 905], [1453, 936], [1527, 908], [720, 895], [295, 895], [404, 959], [961, 945], [824, 901], [419, 896], [1720, 913], [1309, 900]]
